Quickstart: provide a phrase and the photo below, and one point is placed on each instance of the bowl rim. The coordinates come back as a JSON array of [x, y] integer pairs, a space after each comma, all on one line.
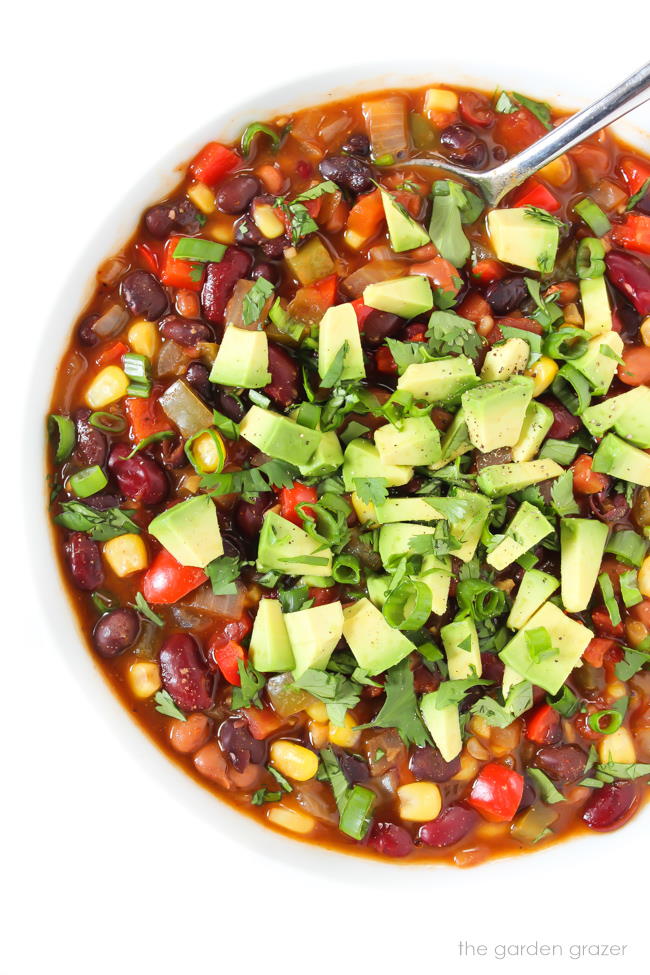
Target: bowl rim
[[46, 576]]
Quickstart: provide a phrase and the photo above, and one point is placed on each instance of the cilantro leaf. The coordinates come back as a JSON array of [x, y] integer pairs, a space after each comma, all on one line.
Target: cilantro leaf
[[543, 216], [222, 573], [337, 693], [252, 480], [145, 610], [453, 691], [562, 498], [548, 792], [407, 354], [519, 699], [372, 490], [166, 705], [335, 371], [292, 600], [608, 771], [400, 709], [449, 334], [541, 110], [539, 644], [638, 196], [255, 299], [100, 525], [260, 796], [252, 683], [314, 192], [336, 777]]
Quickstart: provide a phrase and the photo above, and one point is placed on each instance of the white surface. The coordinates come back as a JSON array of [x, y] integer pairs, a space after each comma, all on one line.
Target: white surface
[[104, 868]]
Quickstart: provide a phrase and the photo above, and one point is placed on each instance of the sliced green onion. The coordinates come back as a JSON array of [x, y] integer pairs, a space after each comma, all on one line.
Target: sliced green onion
[[527, 560], [566, 343], [638, 196], [145, 609], [572, 389], [408, 606], [609, 598], [108, 422], [593, 216], [613, 719], [479, 599], [346, 569], [353, 431], [88, 481], [355, 814], [152, 438], [197, 249], [259, 399], [293, 328], [630, 593], [386, 160], [219, 445], [62, 432], [561, 451], [102, 601], [138, 369], [566, 703], [226, 426], [257, 128], [308, 415], [590, 259], [628, 547]]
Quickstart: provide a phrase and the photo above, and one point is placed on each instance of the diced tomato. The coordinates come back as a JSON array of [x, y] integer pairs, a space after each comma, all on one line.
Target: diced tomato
[[146, 416], [212, 163], [636, 172], [365, 218], [112, 354], [474, 307], [527, 324], [166, 580], [542, 725], [326, 289], [412, 202], [291, 497], [180, 274], [415, 333], [535, 194], [442, 274], [324, 594], [635, 368], [613, 656], [384, 361], [148, 256], [476, 109], [496, 792], [262, 722], [488, 270], [641, 612], [633, 233], [361, 311], [227, 658], [596, 650], [603, 623], [233, 631], [518, 130], [586, 481]]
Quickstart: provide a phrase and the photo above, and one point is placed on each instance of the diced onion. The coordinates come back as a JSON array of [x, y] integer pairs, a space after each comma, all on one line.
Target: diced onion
[[387, 126], [371, 273], [173, 360], [111, 322], [227, 607]]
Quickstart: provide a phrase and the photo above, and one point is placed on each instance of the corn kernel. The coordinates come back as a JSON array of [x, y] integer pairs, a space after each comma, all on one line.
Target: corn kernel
[[317, 710], [294, 761], [480, 726], [108, 386], [490, 831], [126, 554], [543, 372], [222, 231], [291, 819], [558, 172], [144, 678], [202, 197], [645, 331], [345, 735], [617, 747], [267, 221], [419, 801], [440, 100], [643, 578], [319, 734], [616, 690], [143, 338], [468, 768], [209, 454], [354, 240]]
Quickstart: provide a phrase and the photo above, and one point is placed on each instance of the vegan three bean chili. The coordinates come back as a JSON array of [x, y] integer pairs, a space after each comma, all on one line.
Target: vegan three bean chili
[[351, 482]]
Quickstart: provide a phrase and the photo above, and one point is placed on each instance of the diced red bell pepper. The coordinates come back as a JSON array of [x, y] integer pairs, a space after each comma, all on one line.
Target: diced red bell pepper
[[585, 480], [326, 289], [535, 194], [146, 416], [361, 311], [166, 580], [212, 163], [603, 623], [148, 256], [474, 307], [496, 792], [234, 630], [635, 172], [596, 650], [542, 724], [227, 658], [324, 594], [527, 324], [633, 233], [518, 130], [180, 274], [291, 497], [384, 361], [112, 354], [488, 270], [262, 722]]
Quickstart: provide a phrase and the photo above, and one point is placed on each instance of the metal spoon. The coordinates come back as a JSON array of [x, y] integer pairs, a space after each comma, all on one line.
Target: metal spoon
[[493, 184]]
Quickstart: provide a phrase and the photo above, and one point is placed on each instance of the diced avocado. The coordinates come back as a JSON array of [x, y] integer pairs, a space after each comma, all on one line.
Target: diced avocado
[[537, 422], [416, 444], [242, 359], [597, 365], [282, 544], [270, 648], [361, 459], [628, 414], [405, 509], [582, 543], [527, 528], [395, 543], [279, 437], [338, 326], [189, 531], [460, 641], [504, 479], [569, 641], [520, 237], [595, 306], [455, 441], [436, 574], [509, 680], [311, 262], [313, 634], [406, 297], [364, 510], [441, 381], [374, 643], [620, 459], [317, 582], [467, 530], [494, 412], [534, 589], [443, 724], [377, 587], [507, 359], [405, 232], [327, 457]]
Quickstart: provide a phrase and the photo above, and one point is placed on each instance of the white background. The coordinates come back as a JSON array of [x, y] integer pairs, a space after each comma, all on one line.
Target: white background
[[101, 869]]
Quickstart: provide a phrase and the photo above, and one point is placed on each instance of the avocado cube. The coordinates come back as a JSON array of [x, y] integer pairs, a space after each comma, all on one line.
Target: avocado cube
[[502, 479], [620, 459], [270, 647], [494, 412], [283, 545], [242, 359], [405, 509], [406, 297], [313, 634], [569, 641], [596, 364], [361, 459], [443, 724], [338, 326], [534, 589], [279, 437], [527, 529], [442, 381], [595, 306], [455, 442], [395, 543], [520, 237], [327, 457], [537, 422], [378, 589], [405, 233], [460, 641], [416, 443], [189, 531], [582, 544], [467, 530], [375, 644], [628, 414], [507, 359]]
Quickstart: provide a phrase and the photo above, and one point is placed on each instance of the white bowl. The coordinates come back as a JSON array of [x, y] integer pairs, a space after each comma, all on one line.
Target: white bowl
[[578, 853]]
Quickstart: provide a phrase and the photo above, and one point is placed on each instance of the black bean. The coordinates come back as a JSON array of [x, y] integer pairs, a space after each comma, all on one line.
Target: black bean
[[348, 172], [237, 192], [380, 325], [506, 295], [185, 331], [353, 768], [86, 333], [266, 270], [458, 137], [197, 377], [144, 295], [92, 444], [428, 765], [172, 452], [239, 745], [116, 631], [250, 514], [163, 218], [275, 248], [85, 561], [227, 404], [248, 233], [358, 144]]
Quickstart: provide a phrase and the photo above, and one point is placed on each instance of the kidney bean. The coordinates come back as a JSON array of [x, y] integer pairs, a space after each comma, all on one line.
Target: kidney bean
[[185, 331], [233, 545], [492, 666], [220, 279], [237, 192], [248, 233], [144, 295], [187, 736], [528, 796], [283, 388], [239, 745], [266, 270], [501, 455], [164, 218], [506, 295], [632, 277], [85, 561], [564, 423], [116, 631], [562, 763], [476, 109], [453, 823], [428, 765], [358, 144], [185, 673], [348, 172], [380, 325], [389, 839], [197, 376], [140, 478], [86, 333], [227, 404], [610, 806], [92, 444], [249, 515]]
